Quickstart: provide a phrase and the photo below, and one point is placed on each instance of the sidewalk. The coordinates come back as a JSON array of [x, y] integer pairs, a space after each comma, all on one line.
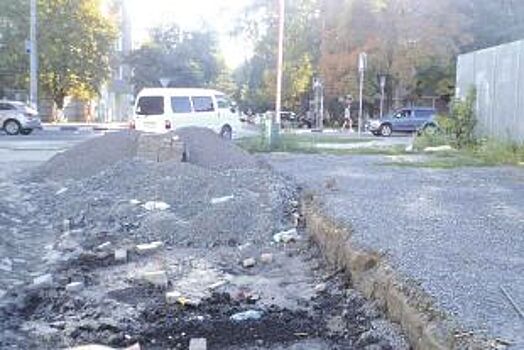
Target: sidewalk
[[85, 126]]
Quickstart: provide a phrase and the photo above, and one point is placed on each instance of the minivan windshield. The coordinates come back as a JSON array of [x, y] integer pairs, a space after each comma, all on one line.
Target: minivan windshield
[[150, 105]]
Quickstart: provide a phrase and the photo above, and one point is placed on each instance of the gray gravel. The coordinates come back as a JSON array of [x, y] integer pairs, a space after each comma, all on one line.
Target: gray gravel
[[460, 232]]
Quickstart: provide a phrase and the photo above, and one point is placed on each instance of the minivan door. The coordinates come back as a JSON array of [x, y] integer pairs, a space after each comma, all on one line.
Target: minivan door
[[182, 111], [205, 112]]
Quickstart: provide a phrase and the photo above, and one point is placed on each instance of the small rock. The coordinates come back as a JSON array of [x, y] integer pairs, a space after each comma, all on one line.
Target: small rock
[[252, 315], [74, 287], [248, 263], [152, 206], [266, 258], [172, 297], [6, 265], [156, 278], [66, 225], [198, 344], [149, 247], [222, 199], [320, 288], [121, 255], [43, 281], [287, 236]]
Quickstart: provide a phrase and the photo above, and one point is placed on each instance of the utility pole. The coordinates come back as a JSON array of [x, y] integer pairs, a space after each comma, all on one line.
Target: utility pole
[[382, 82], [362, 65], [33, 56], [278, 103]]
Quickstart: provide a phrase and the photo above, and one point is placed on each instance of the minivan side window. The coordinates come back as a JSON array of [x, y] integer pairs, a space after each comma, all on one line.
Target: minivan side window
[[150, 105], [203, 104], [181, 104], [223, 102]]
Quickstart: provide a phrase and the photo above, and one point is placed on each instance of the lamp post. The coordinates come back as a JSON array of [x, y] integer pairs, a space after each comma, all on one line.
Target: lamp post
[[275, 124], [382, 81], [362, 66], [33, 48]]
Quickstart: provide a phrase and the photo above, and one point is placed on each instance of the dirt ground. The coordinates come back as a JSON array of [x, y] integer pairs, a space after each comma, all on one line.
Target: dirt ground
[[201, 259]]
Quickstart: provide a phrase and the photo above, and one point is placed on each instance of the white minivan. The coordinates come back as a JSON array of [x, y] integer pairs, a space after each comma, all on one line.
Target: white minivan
[[165, 109]]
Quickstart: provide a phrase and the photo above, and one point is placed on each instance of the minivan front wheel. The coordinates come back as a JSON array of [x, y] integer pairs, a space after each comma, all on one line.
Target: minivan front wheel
[[385, 130], [226, 132], [12, 127]]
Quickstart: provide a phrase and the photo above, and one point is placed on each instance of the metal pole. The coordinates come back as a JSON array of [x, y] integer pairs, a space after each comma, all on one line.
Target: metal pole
[[280, 64], [34, 56], [361, 105], [381, 102]]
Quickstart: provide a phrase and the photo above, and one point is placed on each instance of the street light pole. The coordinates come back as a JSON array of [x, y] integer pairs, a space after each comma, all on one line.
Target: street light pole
[[362, 64], [33, 56], [382, 93], [280, 63]]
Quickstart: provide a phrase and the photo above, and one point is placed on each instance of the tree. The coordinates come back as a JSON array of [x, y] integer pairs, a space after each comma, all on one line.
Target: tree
[[75, 42], [187, 59]]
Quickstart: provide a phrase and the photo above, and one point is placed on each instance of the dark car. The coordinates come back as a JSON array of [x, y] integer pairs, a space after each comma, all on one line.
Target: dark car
[[413, 119]]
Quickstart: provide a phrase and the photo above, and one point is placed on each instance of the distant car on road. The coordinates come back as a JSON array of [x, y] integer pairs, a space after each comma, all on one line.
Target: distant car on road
[[18, 118], [405, 120], [161, 110]]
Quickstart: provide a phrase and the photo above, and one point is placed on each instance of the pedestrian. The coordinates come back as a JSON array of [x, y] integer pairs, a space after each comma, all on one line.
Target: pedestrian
[[348, 123]]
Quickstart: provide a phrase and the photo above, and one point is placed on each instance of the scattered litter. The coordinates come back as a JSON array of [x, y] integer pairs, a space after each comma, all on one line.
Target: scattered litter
[[217, 285], [266, 258], [250, 315], [61, 191], [149, 247], [173, 297], [43, 281], [198, 344], [188, 302], [248, 263], [446, 148], [320, 288], [152, 206], [121, 255], [74, 287], [104, 246], [222, 199], [409, 148], [135, 202], [287, 236], [101, 347]]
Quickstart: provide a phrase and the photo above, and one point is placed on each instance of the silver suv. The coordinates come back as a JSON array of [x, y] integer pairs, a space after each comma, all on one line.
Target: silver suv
[[18, 118]]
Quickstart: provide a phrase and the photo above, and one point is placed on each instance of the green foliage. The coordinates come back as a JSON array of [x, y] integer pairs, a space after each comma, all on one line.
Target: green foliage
[[462, 122], [75, 42], [187, 59]]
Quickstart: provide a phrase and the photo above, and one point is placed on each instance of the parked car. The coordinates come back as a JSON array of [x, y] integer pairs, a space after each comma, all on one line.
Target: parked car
[[161, 110], [413, 119], [18, 118]]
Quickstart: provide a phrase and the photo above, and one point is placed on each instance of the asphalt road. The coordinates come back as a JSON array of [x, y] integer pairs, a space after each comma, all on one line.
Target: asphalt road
[[460, 232], [23, 152]]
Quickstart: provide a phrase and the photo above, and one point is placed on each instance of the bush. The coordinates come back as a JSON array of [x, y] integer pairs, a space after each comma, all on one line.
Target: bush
[[461, 124]]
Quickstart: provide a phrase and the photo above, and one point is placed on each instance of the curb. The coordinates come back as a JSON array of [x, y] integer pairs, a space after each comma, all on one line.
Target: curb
[[403, 302]]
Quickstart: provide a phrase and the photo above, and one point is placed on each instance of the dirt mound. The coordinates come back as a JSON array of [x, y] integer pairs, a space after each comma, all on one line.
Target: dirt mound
[[209, 150], [90, 157]]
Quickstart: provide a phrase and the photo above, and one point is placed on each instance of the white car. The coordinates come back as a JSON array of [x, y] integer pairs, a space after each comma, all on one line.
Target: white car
[[18, 118], [161, 110]]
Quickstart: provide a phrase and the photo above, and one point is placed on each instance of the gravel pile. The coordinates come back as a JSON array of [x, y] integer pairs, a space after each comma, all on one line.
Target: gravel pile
[[113, 201], [90, 157], [208, 150]]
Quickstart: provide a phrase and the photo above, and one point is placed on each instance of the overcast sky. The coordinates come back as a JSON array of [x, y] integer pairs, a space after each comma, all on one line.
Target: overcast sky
[[219, 15]]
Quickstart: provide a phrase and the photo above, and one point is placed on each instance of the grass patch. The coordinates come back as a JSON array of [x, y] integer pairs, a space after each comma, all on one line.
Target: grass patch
[[306, 144]]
